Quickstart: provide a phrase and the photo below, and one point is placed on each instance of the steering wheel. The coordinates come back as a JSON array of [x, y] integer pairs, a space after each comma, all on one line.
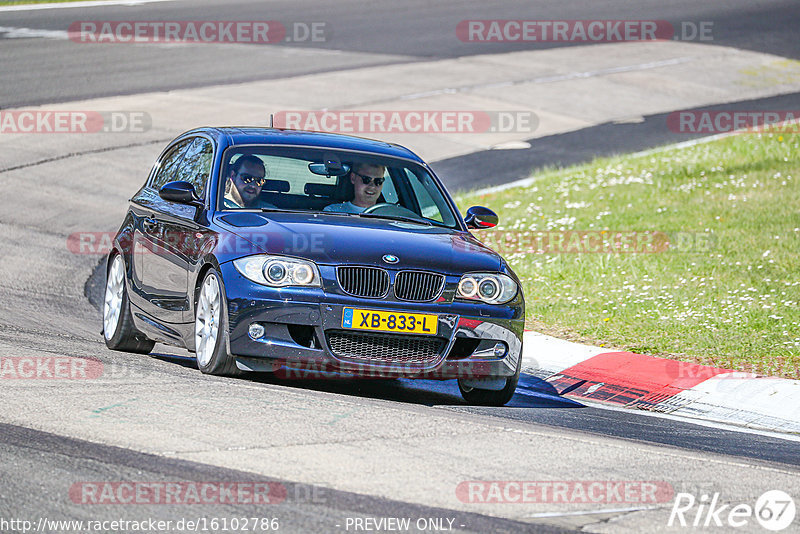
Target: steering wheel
[[378, 206], [387, 208]]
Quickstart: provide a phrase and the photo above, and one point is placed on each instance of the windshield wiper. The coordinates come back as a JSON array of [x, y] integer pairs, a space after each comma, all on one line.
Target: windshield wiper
[[284, 210], [396, 218]]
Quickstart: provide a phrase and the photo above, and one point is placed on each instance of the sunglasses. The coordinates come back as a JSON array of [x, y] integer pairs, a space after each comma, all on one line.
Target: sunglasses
[[366, 180], [249, 178]]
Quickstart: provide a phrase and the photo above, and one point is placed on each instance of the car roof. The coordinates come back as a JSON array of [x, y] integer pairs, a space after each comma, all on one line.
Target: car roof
[[240, 135]]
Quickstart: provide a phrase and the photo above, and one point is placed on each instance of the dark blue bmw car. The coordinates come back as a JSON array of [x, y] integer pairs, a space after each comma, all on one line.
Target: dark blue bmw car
[[264, 249]]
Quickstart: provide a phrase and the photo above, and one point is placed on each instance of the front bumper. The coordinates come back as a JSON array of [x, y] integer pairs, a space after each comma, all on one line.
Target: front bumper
[[300, 324]]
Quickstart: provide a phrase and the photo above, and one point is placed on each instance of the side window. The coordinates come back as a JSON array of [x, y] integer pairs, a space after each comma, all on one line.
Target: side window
[[196, 165], [169, 164]]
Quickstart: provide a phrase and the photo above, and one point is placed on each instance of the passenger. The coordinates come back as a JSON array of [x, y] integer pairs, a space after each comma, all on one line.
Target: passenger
[[367, 183], [243, 186]]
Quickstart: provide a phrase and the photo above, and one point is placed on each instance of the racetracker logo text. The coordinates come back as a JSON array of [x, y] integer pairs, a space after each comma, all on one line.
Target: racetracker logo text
[[595, 242], [582, 31], [49, 368], [725, 121], [320, 370], [177, 493], [195, 31], [81, 122], [570, 491], [555, 31], [404, 121], [130, 31], [195, 245]]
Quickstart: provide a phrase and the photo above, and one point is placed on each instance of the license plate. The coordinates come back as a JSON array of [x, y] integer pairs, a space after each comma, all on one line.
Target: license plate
[[390, 321]]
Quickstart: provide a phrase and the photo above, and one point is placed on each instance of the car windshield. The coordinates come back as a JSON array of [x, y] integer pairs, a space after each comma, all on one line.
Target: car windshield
[[281, 178]]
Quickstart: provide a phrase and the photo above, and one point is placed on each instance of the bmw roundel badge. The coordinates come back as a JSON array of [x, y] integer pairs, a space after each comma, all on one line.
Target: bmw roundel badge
[[390, 258]]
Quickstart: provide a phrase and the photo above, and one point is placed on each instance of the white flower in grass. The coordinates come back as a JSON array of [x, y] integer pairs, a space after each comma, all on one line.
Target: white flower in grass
[[577, 205]]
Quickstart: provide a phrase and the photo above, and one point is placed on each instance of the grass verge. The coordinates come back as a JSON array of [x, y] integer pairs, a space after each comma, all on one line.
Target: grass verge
[[711, 272]]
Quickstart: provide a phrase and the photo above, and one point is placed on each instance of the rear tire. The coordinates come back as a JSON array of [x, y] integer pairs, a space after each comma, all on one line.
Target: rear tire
[[211, 342], [486, 397], [119, 332]]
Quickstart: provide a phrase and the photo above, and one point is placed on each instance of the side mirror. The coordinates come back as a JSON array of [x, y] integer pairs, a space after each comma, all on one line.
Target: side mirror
[[180, 192], [480, 217]]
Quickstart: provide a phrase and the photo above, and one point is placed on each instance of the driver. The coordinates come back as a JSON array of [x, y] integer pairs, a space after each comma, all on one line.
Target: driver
[[243, 187], [367, 183]]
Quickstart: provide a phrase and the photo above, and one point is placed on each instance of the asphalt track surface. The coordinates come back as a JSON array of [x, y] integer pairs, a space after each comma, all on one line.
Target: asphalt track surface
[[54, 461], [38, 467], [496, 167], [373, 33], [536, 402], [361, 35]]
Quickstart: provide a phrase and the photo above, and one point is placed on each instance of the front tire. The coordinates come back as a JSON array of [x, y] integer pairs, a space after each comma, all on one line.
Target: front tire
[[118, 329], [211, 343], [486, 397]]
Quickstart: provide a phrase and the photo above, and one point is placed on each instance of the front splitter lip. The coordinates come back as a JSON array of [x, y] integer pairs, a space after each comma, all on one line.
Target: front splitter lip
[[329, 368]]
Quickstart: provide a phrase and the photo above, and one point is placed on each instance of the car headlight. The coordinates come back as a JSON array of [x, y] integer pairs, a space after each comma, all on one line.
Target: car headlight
[[279, 271], [491, 288]]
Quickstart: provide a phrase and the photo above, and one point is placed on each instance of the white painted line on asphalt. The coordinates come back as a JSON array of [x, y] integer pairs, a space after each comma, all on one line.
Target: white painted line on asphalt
[[695, 420], [31, 33], [8, 32], [766, 402], [66, 5], [550, 79], [511, 145], [593, 512]]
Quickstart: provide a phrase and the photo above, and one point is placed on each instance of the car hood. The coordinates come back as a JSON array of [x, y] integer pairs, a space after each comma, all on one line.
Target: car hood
[[339, 239]]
